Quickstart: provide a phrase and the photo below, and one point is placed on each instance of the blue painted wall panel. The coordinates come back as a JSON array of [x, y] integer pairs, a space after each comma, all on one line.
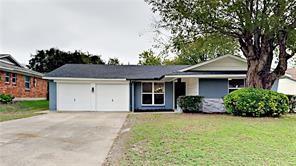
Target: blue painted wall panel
[[213, 88], [52, 96], [168, 97]]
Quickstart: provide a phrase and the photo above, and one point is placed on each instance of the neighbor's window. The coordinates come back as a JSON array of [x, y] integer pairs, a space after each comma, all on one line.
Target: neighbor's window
[[7, 77], [234, 84], [13, 79], [152, 93], [27, 82]]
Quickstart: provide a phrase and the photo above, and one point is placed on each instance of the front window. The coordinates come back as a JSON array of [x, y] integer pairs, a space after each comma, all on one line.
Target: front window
[[7, 77], [27, 82], [13, 79], [234, 84], [153, 93]]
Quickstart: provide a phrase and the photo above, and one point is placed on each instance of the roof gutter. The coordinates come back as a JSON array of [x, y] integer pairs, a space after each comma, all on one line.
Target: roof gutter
[[206, 76], [30, 73], [83, 79]]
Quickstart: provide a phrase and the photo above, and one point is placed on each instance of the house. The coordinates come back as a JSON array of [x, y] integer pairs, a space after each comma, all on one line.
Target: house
[[286, 84], [84, 87], [22, 83]]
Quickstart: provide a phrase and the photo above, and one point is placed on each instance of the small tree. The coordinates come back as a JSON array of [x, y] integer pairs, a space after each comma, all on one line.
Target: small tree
[[113, 61], [148, 58], [259, 26]]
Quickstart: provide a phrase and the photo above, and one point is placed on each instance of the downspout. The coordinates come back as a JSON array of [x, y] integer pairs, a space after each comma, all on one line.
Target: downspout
[[132, 96]]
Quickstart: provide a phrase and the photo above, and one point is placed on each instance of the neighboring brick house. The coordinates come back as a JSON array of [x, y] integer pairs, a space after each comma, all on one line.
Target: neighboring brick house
[[23, 83]]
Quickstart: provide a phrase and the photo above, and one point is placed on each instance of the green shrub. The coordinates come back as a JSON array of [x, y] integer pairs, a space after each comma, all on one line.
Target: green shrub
[[292, 103], [190, 104], [256, 103], [6, 98]]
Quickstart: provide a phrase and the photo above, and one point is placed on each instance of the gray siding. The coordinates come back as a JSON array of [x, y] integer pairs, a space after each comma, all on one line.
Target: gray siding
[[52, 96], [168, 97], [213, 88]]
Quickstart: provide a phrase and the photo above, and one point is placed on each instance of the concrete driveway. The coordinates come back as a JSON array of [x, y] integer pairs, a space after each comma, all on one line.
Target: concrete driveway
[[59, 139]]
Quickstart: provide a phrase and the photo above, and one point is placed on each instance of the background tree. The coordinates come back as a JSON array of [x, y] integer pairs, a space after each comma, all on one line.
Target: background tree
[[47, 60], [259, 26], [204, 48], [149, 58], [113, 61]]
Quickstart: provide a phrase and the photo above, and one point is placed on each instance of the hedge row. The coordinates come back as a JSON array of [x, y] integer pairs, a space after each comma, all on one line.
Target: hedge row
[[256, 102]]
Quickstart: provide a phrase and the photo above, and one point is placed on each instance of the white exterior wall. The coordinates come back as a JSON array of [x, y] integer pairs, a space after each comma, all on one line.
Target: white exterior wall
[[192, 86], [287, 86]]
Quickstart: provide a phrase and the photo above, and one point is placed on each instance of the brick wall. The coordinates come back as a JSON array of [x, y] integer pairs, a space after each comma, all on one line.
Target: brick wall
[[39, 90]]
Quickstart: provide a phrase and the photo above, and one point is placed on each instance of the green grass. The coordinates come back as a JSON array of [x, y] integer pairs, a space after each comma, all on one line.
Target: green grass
[[197, 139], [21, 109]]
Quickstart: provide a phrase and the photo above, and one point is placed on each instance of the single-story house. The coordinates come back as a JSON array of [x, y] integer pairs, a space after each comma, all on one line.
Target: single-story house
[[22, 83], [287, 83], [86, 87]]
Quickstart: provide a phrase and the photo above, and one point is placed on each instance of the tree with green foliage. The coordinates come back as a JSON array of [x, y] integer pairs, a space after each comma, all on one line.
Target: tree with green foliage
[[205, 48], [47, 60], [259, 26], [149, 58], [113, 61]]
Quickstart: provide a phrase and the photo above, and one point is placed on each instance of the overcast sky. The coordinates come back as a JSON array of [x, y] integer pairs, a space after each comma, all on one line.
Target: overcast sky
[[111, 28]]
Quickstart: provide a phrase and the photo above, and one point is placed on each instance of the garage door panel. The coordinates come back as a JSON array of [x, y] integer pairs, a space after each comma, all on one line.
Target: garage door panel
[[112, 97], [74, 97]]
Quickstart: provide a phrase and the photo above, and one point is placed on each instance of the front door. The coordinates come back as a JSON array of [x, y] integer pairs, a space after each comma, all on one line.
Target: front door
[[180, 90]]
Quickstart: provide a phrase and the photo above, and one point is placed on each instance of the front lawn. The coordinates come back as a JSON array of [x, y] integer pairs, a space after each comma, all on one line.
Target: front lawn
[[200, 139], [21, 109]]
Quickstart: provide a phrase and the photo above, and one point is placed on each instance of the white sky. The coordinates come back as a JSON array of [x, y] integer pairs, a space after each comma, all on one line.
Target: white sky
[[111, 28]]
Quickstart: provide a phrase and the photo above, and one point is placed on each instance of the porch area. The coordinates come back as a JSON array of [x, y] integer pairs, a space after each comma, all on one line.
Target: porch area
[[161, 95]]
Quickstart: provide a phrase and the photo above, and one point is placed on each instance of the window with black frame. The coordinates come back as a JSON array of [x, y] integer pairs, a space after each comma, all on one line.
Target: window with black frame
[[153, 93], [235, 84]]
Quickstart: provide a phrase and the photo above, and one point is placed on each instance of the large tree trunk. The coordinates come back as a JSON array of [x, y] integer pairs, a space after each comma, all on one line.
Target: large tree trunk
[[258, 74], [259, 54], [258, 78]]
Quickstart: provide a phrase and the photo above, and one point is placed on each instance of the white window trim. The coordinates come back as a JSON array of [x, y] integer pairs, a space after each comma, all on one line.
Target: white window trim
[[12, 77], [28, 82], [236, 79], [152, 93], [9, 77]]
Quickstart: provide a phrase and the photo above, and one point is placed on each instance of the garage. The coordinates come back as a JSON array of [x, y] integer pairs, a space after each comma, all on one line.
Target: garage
[[112, 97], [99, 96], [74, 96]]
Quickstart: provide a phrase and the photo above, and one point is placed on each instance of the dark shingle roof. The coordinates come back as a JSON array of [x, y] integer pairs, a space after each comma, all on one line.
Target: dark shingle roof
[[18, 69], [114, 71]]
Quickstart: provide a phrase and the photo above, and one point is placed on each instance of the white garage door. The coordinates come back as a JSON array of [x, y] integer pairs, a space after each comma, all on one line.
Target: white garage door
[[112, 97], [73, 97]]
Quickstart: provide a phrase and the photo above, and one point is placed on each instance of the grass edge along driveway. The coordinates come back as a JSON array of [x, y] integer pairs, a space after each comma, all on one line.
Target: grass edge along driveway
[[200, 139], [22, 109]]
